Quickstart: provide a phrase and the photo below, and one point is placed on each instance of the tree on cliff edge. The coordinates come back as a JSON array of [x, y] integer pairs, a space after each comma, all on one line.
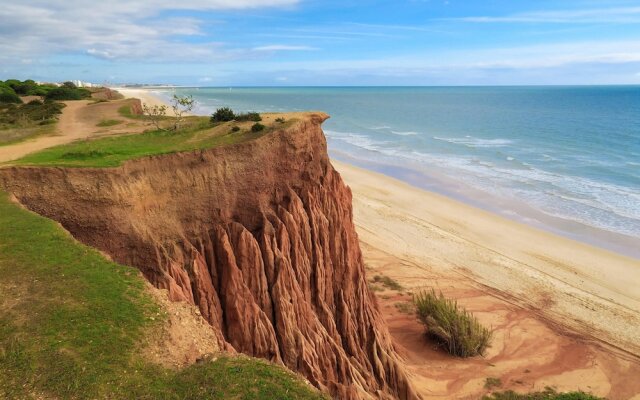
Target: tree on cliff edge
[[181, 105]]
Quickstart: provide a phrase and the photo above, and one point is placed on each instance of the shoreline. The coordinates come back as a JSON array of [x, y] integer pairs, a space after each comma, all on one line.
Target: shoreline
[[512, 209], [560, 277]]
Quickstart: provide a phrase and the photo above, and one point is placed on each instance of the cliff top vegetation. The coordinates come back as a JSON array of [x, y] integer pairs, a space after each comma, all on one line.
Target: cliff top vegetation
[[195, 133]]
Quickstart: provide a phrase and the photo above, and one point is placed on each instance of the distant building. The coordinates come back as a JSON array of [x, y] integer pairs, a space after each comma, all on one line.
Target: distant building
[[79, 83]]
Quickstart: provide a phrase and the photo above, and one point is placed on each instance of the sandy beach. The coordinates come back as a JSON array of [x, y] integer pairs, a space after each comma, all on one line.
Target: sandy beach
[[145, 96], [565, 311]]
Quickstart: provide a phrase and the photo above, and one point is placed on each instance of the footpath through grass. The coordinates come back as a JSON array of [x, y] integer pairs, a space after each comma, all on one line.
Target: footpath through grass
[[112, 151], [72, 322]]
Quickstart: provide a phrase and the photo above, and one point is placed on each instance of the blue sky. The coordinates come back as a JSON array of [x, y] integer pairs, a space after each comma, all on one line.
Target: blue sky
[[313, 42]]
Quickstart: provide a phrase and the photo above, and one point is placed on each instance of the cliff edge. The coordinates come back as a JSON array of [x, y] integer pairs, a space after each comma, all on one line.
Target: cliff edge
[[258, 235]]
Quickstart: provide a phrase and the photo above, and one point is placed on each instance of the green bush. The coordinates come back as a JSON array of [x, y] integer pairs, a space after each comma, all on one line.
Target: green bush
[[67, 93], [257, 127], [34, 110], [547, 394], [250, 116], [9, 96], [223, 114], [235, 129], [453, 326], [26, 88]]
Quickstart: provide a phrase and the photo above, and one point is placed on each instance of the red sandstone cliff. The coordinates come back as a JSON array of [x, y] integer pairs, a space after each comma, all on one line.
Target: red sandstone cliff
[[258, 235]]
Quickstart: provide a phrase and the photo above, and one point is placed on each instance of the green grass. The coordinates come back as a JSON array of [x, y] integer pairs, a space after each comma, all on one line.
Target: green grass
[[112, 151], [453, 326], [71, 324], [547, 394], [109, 122]]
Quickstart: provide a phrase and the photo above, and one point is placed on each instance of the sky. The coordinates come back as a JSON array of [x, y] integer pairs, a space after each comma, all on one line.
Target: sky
[[314, 42]]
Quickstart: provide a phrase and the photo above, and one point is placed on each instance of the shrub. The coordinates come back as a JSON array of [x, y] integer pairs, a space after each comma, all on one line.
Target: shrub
[[67, 93], [235, 129], [280, 120], [457, 329], [257, 127], [223, 114], [7, 95], [26, 88], [250, 116], [547, 394]]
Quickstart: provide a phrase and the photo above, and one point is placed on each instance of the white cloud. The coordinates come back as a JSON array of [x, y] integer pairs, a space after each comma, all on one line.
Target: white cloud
[[514, 58], [618, 15], [113, 29]]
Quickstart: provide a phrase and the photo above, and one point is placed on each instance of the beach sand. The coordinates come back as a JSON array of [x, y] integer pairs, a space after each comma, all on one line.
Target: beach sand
[[564, 314], [145, 96]]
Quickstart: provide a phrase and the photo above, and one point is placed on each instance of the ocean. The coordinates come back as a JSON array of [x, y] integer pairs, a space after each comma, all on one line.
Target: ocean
[[564, 159]]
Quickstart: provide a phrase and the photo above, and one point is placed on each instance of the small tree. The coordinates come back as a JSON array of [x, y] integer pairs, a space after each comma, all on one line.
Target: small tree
[[155, 114], [181, 105], [223, 114]]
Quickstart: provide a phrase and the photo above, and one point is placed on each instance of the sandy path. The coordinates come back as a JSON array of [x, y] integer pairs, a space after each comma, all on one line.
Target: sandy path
[[78, 121], [558, 306]]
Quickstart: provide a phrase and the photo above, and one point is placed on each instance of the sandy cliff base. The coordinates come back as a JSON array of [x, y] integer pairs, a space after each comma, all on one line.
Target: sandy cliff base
[[564, 314]]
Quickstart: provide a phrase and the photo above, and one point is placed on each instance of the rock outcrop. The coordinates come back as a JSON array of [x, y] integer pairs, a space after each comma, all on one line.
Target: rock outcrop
[[258, 235]]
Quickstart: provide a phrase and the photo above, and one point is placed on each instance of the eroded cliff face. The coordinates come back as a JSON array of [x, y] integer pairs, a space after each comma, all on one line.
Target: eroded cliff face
[[258, 235]]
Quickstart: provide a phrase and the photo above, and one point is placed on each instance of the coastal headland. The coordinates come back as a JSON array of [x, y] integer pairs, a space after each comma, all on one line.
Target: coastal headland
[[564, 314]]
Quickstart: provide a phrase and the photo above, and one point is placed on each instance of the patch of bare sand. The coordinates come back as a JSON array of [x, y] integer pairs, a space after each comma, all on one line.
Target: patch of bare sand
[[527, 354], [184, 337]]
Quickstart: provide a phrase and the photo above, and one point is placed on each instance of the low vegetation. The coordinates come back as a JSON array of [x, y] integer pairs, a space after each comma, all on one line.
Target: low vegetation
[[72, 324], [67, 92], [109, 122], [451, 325], [12, 89], [547, 394], [492, 382], [225, 114], [22, 121], [387, 282], [112, 151]]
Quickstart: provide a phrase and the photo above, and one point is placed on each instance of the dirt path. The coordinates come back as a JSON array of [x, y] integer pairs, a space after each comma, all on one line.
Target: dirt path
[[78, 121]]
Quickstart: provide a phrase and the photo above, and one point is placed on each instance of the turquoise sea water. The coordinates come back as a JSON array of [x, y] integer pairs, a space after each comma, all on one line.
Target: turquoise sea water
[[566, 159]]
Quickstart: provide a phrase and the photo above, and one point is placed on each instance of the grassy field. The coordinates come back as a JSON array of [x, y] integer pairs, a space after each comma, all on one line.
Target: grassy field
[[71, 324], [112, 151]]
